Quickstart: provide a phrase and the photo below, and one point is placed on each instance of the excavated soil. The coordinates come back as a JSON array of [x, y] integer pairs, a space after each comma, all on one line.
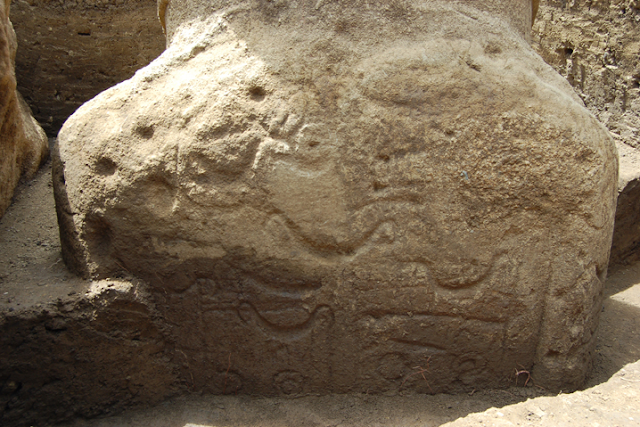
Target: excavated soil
[[69, 51], [71, 350]]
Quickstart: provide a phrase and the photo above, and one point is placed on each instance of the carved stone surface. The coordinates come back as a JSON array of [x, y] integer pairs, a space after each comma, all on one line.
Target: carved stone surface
[[625, 246], [326, 196], [23, 144]]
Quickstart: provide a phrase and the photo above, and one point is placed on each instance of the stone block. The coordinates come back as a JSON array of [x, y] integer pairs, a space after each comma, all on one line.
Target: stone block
[[336, 196]]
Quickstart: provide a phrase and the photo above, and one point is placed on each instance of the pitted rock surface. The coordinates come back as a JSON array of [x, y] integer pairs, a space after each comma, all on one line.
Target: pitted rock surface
[[323, 196], [23, 144]]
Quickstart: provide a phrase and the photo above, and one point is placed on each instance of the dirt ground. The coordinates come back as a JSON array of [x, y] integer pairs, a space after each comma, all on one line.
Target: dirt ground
[[33, 275]]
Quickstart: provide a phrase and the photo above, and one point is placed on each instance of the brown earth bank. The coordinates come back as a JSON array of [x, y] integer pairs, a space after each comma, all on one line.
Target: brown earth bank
[[595, 45], [80, 349], [72, 50]]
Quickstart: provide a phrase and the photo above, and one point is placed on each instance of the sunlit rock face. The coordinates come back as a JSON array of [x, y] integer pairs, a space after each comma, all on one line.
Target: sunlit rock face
[[23, 144], [325, 195]]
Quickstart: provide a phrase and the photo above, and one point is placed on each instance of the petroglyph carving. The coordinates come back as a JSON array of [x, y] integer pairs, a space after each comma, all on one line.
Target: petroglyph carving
[[349, 202]]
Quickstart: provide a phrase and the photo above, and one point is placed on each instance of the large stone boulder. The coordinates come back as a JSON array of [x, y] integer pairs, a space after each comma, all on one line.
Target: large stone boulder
[[595, 46], [332, 196], [23, 144]]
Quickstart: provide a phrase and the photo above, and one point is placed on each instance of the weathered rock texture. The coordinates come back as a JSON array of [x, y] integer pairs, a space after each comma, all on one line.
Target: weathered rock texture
[[23, 144], [325, 195], [595, 46], [71, 50]]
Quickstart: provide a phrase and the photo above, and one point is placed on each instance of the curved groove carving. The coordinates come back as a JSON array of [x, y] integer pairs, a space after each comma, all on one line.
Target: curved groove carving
[[291, 331]]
